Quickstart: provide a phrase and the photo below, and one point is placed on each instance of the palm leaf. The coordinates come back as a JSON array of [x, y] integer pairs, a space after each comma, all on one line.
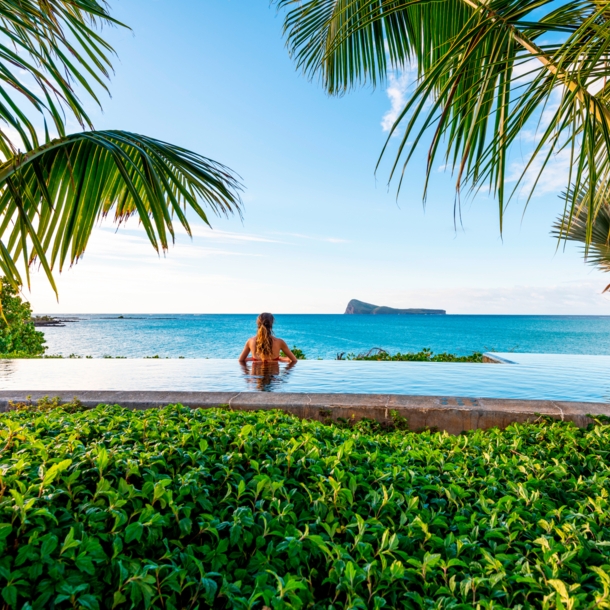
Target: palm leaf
[[471, 103], [54, 191], [52, 197], [594, 235], [55, 43]]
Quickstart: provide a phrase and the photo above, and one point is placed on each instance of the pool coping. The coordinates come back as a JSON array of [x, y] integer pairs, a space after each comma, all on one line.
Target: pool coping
[[453, 414], [492, 358]]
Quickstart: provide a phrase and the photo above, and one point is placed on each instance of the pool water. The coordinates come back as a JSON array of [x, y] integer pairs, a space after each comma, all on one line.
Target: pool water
[[530, 376]]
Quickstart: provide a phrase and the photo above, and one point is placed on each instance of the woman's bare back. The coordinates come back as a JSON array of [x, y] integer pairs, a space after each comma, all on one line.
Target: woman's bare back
[[279, 345], [264, 346]]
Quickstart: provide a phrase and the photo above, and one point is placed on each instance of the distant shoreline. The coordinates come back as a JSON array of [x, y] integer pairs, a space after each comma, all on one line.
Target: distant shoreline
[[70, 317]]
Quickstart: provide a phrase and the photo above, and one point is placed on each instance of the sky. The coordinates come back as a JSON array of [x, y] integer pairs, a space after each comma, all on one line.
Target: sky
[[319, 226]]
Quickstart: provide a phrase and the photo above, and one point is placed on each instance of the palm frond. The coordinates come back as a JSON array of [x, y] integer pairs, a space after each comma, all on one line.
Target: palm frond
[[472, 99], [52, 197], [594, 235], [49, 49]]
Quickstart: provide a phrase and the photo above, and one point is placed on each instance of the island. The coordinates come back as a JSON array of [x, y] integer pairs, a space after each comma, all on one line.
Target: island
[[359, 307]]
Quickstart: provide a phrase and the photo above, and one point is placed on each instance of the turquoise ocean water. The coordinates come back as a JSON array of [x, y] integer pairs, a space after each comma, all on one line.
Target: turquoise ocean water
[[324, 336]]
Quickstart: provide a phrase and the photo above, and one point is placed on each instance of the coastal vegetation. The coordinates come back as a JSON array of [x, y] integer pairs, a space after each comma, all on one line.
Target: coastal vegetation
[[376, 353], [18, 336], [425, 355], [54, 185], [173, 508], [502, 91], [298, 353]]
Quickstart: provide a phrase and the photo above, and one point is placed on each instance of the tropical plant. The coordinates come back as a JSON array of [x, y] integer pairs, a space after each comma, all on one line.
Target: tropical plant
[[488, 74], [55, 186], [299, 354], [261, 509], [425, 355], [575, 229], [18, 336]]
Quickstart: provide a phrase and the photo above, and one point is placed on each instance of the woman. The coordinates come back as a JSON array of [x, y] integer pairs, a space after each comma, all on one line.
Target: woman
[[265, 347]]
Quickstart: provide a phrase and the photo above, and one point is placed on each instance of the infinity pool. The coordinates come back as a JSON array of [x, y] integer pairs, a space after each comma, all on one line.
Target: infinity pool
[[530, 376]]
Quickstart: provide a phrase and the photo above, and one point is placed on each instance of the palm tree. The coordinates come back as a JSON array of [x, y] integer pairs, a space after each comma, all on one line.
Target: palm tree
[[55, 186], [489, 73]]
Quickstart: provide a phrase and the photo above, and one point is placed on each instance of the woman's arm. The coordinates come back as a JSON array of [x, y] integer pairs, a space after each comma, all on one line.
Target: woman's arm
[[244, 354], [290, 356]]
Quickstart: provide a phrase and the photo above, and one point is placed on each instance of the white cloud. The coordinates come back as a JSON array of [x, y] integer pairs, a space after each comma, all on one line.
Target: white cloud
[[330, 240], [197, 230], [554, 177], [526, 70], [397, 91], [228, 236], [572, 298], [133, 253]]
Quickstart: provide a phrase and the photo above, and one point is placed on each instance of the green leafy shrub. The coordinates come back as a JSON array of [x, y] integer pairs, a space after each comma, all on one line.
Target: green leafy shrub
[[299, 354], [18, 336], [425, 355], [47, 403], [172, 508], [395, 422]]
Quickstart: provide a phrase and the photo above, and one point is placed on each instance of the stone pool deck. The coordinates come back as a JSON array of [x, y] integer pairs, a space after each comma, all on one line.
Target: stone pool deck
[[449, 413]]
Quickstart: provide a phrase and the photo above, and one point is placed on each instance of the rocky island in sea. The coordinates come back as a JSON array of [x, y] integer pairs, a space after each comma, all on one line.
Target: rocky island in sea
[[359, 307], [50, 321]]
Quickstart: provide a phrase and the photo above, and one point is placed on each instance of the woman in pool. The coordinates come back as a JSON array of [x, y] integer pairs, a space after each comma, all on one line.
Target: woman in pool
[[265, 347]]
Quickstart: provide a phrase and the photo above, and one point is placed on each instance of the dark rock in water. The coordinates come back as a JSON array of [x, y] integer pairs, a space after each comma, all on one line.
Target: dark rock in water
[[50, 321], [359, 307]]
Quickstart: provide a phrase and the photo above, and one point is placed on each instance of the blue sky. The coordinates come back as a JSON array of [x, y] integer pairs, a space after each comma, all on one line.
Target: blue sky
[[319, 227]]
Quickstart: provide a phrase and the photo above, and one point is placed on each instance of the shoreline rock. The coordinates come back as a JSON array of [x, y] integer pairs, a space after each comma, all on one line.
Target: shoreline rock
[[40, 321]]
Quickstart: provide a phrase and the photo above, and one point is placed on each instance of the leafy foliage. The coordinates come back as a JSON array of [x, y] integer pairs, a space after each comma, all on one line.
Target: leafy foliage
[[298, 353], [68, 185], [47, 403], [173, 508], [48, 48], [394, 422], [54, 189], [18, 336], [488, 73], [425, 355], [597, 250]]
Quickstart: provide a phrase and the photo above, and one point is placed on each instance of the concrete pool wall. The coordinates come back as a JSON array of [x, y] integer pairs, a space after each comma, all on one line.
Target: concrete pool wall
[[449, 413]]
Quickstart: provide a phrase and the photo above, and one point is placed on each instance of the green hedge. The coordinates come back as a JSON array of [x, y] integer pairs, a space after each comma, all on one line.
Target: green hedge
[[174, 508]]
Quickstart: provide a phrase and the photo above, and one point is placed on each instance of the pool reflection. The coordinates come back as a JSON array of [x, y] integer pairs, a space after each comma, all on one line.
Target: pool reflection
[[266, 376]]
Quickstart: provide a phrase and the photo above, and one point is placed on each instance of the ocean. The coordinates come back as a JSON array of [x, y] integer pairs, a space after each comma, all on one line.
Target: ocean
[[325, 336]]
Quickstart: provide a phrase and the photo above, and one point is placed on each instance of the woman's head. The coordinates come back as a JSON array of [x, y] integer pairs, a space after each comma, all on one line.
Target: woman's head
[[264, 335]]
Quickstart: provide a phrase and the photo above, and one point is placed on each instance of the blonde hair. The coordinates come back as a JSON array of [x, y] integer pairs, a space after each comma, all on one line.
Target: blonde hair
[[264, 335]]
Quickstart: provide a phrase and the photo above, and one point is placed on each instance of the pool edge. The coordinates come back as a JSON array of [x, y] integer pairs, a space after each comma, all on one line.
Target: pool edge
[[449, 413], [492, 358]]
